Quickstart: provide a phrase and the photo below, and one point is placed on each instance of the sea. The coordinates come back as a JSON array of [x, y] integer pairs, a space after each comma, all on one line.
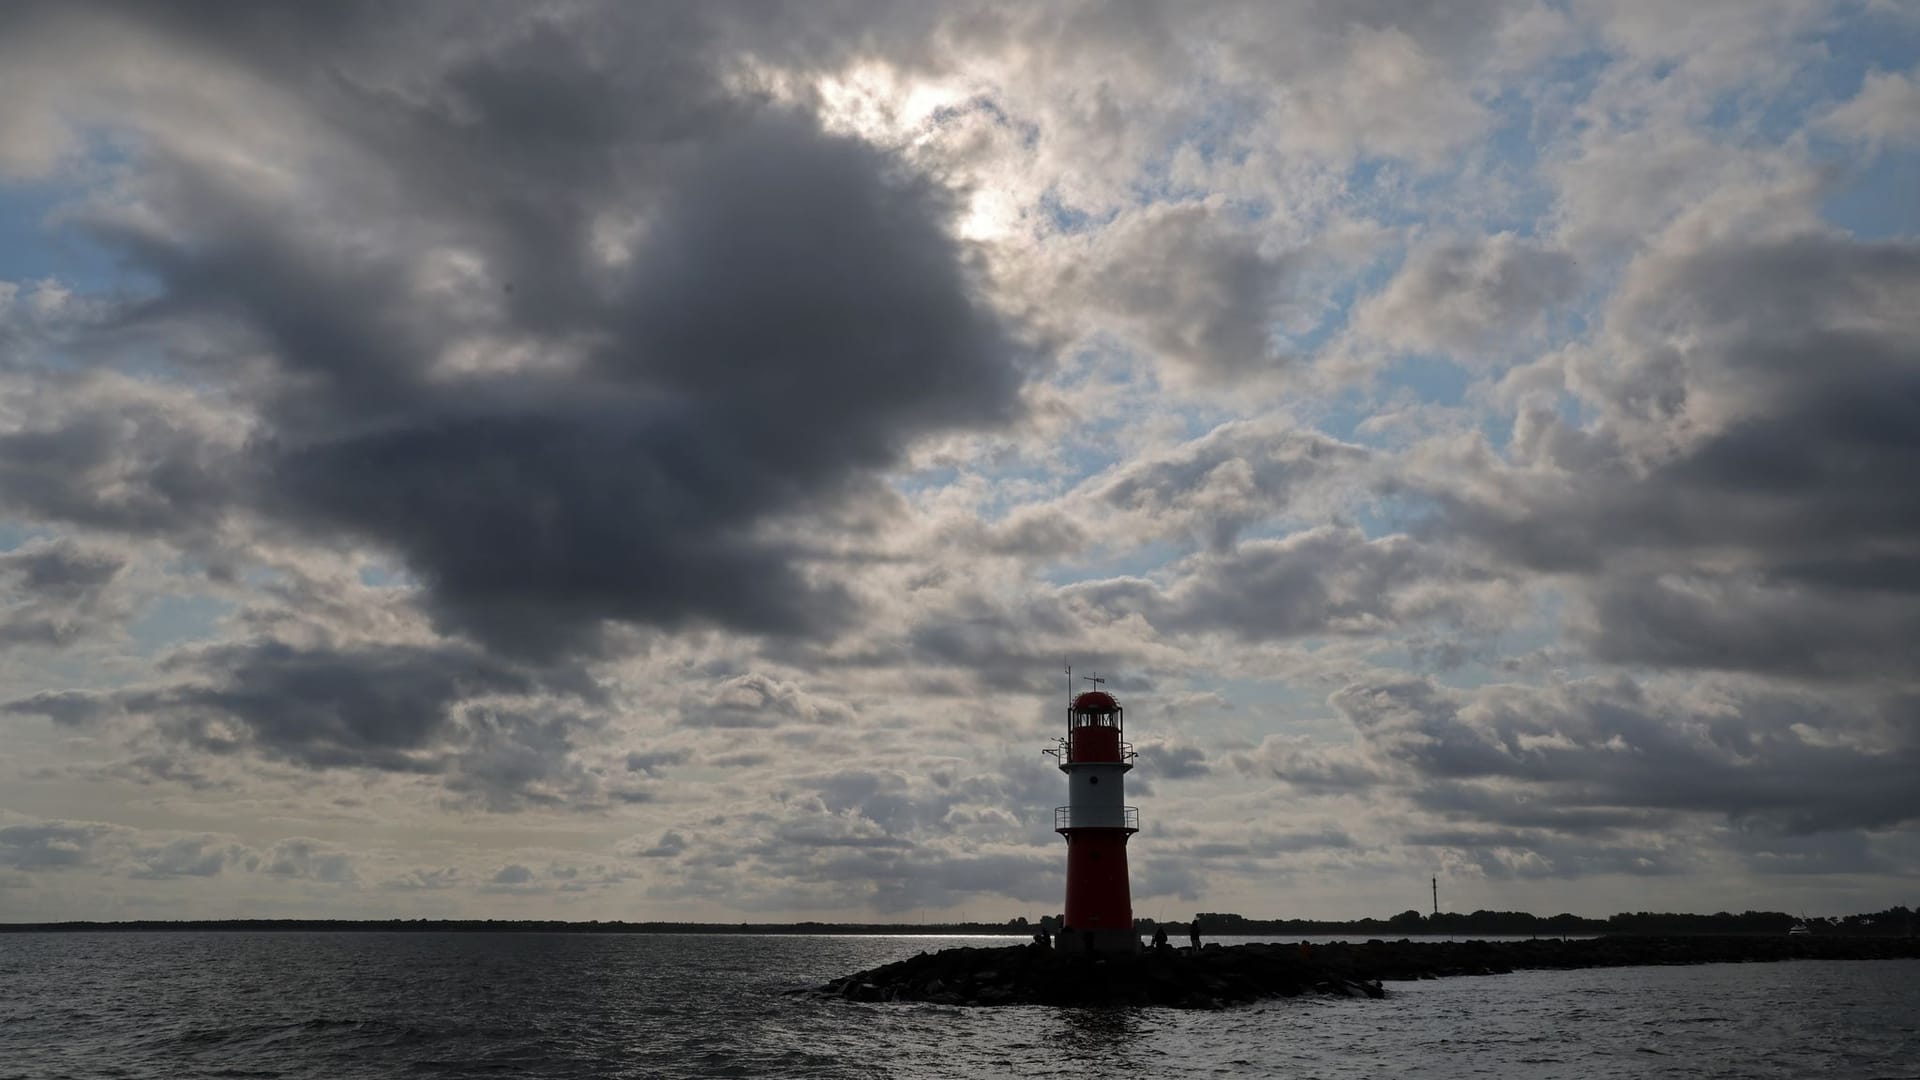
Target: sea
[[348, 1005]]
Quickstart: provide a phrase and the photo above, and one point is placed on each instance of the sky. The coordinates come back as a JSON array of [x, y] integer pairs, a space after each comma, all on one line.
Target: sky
[[657, 461]]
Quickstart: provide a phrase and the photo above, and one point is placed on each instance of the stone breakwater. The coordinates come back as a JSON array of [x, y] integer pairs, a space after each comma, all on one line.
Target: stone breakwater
[[1219, 976]]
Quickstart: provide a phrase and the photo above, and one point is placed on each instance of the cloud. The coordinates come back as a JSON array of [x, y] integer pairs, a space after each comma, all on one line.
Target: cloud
[[111, 454], [1190, 284], [300, 857], [1469, 296], [35, 315], [386, 708], [1886, 110], [426, 879], [501, 735], [1601, 745], [1213, 488], [654, 762], [71, 708], [49, 845], [1173, 762], [35, 846], [1739, 501], [61, 593], [758, 701], [689, 428], [622, 379], [1329, 580], [739, 383], [187, 856], [1304, 763], [513, 874], [670, 844]]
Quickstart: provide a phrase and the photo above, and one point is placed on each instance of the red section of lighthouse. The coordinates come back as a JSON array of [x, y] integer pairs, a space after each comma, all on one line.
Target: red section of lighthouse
[[1096, 822]]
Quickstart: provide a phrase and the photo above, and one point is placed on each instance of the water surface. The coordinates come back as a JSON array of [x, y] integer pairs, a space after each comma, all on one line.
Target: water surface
[[578, 1005]]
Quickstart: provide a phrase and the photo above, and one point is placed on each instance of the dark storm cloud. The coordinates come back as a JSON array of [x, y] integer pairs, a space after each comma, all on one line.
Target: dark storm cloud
[[797, 319], [1743, 500], [59, 568], [492, 731], [720, 317], [1604, 752], [1735, 621], [60, 592], [327, 708]]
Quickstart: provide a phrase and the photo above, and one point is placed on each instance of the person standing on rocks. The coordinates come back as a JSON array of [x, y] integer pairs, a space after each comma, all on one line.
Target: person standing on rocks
[[1159, 939], [1193, 934]]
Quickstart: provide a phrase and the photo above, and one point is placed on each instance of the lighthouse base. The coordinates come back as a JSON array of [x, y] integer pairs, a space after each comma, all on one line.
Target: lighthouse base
[[1072, 942]]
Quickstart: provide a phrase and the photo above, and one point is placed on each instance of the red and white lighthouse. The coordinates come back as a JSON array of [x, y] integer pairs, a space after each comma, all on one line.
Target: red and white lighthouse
[[1096, 822]]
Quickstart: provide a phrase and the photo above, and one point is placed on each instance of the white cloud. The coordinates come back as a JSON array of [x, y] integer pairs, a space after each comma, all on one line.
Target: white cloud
[[1886, 110]]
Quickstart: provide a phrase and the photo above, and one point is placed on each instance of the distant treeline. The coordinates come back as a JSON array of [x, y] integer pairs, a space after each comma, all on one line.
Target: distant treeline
[[1894, 920], [1897, 921], [530, 926]]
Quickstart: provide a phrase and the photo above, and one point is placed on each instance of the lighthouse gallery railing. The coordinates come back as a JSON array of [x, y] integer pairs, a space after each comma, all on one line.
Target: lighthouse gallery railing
[[1096, 818], [1061, 754]]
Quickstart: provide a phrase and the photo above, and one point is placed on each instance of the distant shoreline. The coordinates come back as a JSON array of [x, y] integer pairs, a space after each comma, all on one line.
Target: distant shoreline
[[1248, 928], [511, 926]]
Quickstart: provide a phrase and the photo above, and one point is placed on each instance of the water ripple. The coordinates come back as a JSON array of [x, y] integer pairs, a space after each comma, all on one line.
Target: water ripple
[[299, 1005]]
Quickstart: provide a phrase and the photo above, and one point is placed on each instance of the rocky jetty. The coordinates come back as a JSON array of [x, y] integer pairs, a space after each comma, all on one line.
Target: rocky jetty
[[1219, 976]]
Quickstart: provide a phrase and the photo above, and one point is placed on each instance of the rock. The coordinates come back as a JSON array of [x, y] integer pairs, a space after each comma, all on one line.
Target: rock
[[1221, 976]]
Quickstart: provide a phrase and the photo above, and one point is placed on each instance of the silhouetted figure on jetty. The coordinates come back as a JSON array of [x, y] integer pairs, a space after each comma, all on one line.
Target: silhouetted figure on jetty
[[1193, 934], [1159, 939]]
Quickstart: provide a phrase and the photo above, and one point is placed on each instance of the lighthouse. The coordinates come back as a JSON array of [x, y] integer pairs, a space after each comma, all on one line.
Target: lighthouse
[[1096, 822]]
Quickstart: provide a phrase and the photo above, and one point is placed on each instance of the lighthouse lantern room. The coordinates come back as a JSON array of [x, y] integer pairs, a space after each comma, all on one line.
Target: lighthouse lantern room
[[1096, 822]]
